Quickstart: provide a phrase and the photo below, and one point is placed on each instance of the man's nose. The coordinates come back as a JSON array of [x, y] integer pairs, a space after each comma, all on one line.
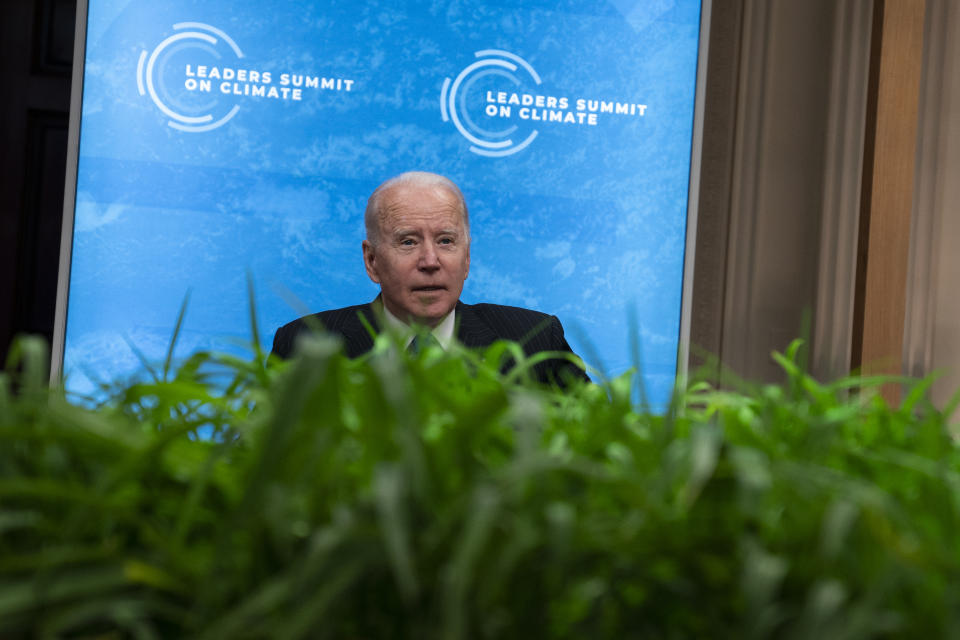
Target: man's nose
[[429, 259]]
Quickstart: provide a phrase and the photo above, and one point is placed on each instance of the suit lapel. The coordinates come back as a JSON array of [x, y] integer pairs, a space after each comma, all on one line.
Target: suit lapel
[[471, 330]]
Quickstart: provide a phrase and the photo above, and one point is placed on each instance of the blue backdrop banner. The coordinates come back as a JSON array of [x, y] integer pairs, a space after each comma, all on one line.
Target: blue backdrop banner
[[221, 137]]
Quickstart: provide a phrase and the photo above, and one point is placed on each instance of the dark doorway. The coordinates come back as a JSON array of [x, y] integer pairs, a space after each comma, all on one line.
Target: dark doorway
[[36, 60]]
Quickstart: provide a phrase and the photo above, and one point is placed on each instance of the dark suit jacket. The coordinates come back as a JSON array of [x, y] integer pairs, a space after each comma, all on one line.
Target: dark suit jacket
[[478, 325]]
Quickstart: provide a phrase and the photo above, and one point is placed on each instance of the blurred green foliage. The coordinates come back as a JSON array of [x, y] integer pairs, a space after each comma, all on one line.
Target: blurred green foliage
[[427, 496]]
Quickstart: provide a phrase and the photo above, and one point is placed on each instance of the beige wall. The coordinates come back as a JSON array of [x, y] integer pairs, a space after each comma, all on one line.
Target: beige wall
[[932, 326], [780, 188], [780, 181]]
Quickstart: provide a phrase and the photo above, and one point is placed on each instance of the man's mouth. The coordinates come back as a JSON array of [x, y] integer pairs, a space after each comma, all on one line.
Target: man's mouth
[[429, 288]]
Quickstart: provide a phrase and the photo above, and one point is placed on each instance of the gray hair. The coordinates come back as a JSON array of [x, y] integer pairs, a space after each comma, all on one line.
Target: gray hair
[[371, 216]]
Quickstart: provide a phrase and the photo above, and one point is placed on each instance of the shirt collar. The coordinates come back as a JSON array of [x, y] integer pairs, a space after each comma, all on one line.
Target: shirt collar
[[443, 332]]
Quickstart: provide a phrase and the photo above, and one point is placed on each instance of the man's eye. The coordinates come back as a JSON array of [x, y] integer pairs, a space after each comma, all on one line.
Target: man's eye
[[407, 242], [446, 240]]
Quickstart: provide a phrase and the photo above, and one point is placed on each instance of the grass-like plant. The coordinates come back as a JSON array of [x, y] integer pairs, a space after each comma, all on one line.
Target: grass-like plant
[[428, 496]]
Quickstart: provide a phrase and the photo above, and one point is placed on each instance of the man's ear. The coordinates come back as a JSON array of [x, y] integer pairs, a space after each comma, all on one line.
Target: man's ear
[[370, 260]]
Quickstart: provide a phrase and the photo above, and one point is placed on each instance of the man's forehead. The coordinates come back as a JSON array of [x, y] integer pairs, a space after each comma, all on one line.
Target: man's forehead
[[419, 195], [406, 204]]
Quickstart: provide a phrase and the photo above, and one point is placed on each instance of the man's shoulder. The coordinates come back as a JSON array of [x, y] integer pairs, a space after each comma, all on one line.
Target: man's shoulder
[[345, 321], [534, 330], [513, 323], [332, 319], [487, 310], [345, 316]]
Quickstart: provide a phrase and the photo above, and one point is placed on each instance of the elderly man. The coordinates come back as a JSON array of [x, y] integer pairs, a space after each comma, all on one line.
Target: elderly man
[[418, 251]]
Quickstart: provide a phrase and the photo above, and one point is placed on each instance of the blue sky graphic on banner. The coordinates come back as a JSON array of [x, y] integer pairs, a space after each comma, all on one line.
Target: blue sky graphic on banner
[[219, 137]]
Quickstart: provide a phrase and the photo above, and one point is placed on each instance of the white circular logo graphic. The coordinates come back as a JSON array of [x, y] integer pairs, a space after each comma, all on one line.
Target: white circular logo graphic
[[471, 97], [172, 72]]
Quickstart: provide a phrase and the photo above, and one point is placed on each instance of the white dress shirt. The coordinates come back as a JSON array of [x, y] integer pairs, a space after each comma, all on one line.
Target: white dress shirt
[[443, 332]]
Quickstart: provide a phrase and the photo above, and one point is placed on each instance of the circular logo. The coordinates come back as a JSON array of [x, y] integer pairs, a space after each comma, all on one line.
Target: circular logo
[[476, 99], [182, 76]]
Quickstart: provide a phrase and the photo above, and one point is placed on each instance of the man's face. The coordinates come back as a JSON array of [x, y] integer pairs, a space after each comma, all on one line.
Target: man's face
[[423, 254]]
